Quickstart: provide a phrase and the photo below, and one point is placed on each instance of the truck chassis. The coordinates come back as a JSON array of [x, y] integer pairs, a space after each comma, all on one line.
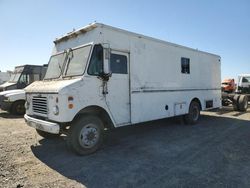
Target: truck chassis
[[238, 100]]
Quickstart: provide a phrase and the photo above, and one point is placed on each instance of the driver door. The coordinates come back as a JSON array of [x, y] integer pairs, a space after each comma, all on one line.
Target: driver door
[[118, 97]]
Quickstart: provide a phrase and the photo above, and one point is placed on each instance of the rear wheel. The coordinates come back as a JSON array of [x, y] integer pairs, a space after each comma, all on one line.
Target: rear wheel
[[243, 103], [85, 135], [235, 102], [193, 114], [18, 108]]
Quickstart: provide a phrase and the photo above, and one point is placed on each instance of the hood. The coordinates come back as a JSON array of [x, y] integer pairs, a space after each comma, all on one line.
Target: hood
[[7, 85], [49, 86], [19, 92], [14, 91]]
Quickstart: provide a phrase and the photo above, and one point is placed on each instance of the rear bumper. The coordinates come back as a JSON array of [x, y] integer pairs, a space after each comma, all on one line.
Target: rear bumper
[[42, 125]]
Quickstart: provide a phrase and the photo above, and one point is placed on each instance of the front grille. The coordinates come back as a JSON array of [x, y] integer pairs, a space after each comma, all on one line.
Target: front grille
[[39, 104]]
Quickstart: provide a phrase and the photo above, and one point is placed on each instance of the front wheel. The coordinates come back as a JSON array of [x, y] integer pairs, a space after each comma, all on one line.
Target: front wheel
[[18, 108], [85, 135], [193, 114]]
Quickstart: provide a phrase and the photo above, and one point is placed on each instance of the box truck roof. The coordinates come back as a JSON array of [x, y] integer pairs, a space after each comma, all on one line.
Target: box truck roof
[[94, 25]]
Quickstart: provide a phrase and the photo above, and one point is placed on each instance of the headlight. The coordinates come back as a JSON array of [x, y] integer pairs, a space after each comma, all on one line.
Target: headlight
[[5, 98], [27, 105], [55, 110]]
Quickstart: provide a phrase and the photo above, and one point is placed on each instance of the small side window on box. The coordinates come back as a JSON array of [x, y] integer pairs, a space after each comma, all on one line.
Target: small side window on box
[[118, 64], [185, 65]]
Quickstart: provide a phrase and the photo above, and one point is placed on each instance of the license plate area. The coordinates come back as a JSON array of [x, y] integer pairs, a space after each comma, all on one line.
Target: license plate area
[[37, 126]]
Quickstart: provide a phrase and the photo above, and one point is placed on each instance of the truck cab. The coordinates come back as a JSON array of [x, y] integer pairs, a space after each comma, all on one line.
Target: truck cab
[[244, 84], [228, 85]]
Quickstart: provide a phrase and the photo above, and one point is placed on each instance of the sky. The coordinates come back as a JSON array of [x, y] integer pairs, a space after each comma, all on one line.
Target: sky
[[29, 27]]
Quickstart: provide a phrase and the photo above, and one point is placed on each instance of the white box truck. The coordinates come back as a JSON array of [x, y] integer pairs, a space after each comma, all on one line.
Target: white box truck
[[101, 77]]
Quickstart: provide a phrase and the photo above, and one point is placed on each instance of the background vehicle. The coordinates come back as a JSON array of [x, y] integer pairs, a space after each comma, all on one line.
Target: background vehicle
[[101, 77], [12, 100], [24, 75], [244, 84], [239, 99], [228, 85]]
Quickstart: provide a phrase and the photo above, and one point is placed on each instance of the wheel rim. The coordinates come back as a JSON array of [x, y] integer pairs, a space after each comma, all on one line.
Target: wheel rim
[[89, 136], [195, 113]]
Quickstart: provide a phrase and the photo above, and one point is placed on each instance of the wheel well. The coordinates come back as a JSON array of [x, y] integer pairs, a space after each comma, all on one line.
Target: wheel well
[[16, 102], [12, 110], [198, 101], [98, 111], [20, 100]]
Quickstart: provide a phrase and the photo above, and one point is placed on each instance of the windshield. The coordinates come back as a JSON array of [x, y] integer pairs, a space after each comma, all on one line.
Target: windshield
[[55, 66], [72, 63], [15, 77], [77, 61]]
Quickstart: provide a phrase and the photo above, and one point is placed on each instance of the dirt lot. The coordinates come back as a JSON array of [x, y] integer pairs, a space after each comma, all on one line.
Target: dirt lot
[[165, 153]]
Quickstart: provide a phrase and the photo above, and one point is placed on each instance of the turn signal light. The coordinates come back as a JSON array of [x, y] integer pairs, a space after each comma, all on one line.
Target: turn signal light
[[70, 106]]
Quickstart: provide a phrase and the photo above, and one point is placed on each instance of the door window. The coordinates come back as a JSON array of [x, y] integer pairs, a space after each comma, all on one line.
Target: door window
[[118, 64], [24, 79]]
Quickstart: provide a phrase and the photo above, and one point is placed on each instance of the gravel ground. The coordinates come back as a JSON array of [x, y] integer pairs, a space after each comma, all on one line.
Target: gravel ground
[[164, 153]]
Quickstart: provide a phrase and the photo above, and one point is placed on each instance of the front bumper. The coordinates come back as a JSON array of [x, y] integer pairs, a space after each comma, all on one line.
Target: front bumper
[[42, 125]]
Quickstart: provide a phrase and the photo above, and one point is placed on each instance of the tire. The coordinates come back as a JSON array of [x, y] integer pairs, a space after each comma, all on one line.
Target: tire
[[18, 108], [243, 103], [235, 102], [193, 113], [46, 134], [85, 135]]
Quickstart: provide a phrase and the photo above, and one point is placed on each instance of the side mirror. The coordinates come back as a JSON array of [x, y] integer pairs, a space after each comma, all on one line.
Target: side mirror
[[106, 64], [106, 60], [105, 76]]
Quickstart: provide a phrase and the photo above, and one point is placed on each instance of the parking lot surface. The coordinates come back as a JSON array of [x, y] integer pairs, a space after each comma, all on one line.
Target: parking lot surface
[[164, 153]]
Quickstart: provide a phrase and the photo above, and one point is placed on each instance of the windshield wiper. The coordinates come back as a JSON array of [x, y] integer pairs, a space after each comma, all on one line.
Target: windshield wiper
[[61, 71], [69, 57], [65, 59]]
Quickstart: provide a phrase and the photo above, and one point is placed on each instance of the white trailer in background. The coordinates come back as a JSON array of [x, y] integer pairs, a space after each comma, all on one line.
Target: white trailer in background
[[4, 76], [101, 77]]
